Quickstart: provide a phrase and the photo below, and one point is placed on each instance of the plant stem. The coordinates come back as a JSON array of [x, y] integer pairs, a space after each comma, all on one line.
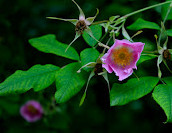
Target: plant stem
[[163, 23], [151, 52], [99, 22], [167, 13], [102, 38], [107, 44], [135, 12], [151, 55], [144, 9], [102, 45]]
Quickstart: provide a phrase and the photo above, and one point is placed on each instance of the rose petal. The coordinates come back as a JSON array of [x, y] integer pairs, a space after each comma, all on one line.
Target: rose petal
[[122, 71], [28, 116]]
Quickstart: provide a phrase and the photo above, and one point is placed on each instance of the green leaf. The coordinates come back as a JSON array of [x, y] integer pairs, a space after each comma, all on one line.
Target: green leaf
[[168, 80], [162, 94], [169, 32], [164, 11], [49, 44], [143, 24], [97, 33], [69, 82], [145, 58], [88, 55], [134, 89], [38, 77]]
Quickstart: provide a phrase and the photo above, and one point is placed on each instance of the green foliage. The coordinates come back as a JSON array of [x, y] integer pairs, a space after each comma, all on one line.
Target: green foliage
[[69, 82], [9, 107], [134, 89], [38, 77], [145, 58], [168, 80], [164, 11], [97, 33], [162, 94], [169, 32], [17, 28], [49, 44], [143, 24], [88, 55]]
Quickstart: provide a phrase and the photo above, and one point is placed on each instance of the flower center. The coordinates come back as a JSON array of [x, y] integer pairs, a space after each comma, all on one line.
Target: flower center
[[32, 109], [122, 56], [166, 54], [80, 26]]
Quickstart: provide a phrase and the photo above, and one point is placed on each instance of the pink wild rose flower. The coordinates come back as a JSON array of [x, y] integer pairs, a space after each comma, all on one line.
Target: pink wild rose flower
[[122, 58], [31, 111]]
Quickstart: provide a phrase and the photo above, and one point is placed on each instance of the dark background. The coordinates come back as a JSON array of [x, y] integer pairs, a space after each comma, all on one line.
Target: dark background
[[21, 20]]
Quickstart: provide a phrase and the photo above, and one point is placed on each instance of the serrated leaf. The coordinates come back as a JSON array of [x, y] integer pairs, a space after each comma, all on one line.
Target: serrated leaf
[[88, 55], [162, 94], [49, 44], [97, 33], [69, 82], [134, 89], [38, 77], [143, 24], [145, 58]]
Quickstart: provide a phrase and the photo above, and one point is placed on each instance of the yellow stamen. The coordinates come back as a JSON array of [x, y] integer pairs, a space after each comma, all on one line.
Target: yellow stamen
[[122, 56]]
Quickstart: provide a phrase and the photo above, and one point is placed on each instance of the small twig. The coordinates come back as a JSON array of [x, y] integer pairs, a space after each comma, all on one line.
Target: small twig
[[151, 52], [99, 22], [102, 45]]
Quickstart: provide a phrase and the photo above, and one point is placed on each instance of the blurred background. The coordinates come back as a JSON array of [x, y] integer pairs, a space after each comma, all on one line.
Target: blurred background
[[21, 20]]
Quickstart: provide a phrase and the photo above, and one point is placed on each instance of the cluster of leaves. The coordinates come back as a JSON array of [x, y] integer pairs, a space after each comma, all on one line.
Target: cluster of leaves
[[69, 82]]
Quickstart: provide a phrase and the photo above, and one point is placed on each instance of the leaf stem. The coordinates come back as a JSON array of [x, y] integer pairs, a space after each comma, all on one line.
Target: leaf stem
[[102, 45], [151, 52], [150, 55], [167, 13], [144, 9], [99, 22], [102, 38]]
